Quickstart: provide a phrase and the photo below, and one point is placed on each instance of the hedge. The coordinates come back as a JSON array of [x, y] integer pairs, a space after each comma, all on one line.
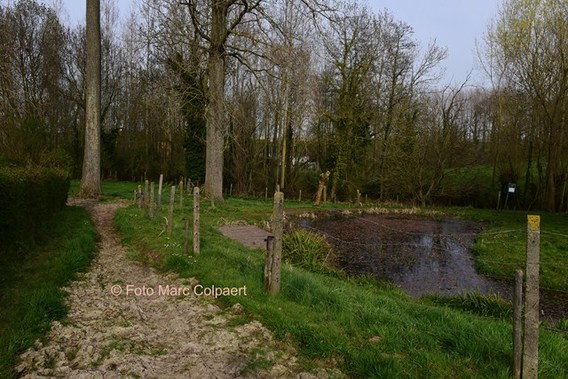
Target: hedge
[[29, 196]]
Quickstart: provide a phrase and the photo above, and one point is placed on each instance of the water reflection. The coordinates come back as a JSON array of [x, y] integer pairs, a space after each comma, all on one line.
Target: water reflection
[[420, 256]]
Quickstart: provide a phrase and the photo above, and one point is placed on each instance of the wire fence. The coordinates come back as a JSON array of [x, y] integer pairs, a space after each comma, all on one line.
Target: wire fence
[[434, 240], [463, 240]]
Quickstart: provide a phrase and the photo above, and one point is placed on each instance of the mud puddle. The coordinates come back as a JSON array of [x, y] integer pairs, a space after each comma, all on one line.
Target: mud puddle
[[419, 255]]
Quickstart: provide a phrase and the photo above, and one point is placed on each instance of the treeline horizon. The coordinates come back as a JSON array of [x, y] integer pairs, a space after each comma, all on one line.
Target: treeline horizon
[[311, 86]]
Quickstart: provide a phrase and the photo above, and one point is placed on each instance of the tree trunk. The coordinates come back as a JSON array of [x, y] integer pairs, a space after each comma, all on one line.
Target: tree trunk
[[91, 176], [216, 103]]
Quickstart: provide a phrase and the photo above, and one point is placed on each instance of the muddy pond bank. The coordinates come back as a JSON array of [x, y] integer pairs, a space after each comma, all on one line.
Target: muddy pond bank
[[419, 255]]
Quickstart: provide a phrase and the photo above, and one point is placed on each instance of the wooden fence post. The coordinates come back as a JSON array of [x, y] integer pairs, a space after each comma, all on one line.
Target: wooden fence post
[[159, 207], [171, 211], [146, 190], [268, 262], [186, 236], [300, 196], [359, 198], [152, 206], [530, 345], [139, 196], [181, 193], [276, 258], [196, 245], [498, 199], [517, 324], [146, 193]]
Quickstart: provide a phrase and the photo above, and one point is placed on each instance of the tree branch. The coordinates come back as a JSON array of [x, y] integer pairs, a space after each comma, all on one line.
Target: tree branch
[[193, 15], [247, 8]]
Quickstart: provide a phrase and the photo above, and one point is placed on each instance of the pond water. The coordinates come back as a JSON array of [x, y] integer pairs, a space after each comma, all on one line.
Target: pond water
[[419, 255]]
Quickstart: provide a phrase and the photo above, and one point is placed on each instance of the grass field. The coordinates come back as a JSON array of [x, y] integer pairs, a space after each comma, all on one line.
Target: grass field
[[110, 189], [501, 247], [31, 278], [366, 329]]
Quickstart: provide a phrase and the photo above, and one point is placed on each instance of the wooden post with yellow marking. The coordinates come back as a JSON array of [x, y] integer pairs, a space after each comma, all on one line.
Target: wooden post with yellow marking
[[530, 345]]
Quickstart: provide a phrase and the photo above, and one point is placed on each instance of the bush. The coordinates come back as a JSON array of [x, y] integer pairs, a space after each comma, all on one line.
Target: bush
[[307, 250], [29, 196]]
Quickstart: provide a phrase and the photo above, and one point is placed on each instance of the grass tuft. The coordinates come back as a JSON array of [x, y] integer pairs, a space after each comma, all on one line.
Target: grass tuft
[[477, 303], [307, 250]]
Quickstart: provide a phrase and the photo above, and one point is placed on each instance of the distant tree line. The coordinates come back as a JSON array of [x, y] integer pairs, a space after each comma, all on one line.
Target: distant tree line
[[309, 86]]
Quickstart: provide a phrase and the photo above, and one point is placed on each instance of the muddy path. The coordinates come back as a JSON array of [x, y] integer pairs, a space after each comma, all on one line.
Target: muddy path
[[419, 255], [114, 335]]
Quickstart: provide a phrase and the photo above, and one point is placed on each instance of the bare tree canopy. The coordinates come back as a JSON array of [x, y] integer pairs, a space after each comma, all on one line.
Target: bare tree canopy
[[245, 96]]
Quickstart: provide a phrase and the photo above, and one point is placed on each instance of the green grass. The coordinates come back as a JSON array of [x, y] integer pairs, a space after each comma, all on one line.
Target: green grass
[[31, 278], [501, 248], [367, 329], [110, 189], [476, 303]]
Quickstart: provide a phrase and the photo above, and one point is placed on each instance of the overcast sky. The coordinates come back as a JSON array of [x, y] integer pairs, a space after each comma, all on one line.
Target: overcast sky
[[455, 24]]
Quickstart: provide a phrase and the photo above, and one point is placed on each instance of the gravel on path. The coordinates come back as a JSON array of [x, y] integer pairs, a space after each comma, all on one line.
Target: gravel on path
[[157, 336]]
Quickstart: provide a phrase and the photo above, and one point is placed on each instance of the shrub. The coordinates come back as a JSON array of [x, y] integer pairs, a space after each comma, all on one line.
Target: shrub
[[307, 250], [29, 196]]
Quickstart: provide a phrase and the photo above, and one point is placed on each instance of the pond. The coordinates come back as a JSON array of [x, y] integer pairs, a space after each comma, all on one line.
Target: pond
[[419, 255]]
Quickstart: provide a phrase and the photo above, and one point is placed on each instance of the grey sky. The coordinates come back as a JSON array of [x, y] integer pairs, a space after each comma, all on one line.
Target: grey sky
[[455, 24]]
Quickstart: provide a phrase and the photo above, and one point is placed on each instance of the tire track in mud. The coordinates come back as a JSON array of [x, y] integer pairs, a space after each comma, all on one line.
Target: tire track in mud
[[107, 336]]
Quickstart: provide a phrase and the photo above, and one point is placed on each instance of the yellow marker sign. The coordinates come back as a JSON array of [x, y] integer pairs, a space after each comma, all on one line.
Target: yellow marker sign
[[534, 222]]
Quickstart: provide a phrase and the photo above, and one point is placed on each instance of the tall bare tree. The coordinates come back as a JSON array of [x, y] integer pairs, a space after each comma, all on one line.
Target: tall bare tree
[[222, 18], [91, 175]]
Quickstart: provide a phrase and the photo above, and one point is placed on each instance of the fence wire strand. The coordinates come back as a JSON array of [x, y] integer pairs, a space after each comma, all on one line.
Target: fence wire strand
[[455, 238]]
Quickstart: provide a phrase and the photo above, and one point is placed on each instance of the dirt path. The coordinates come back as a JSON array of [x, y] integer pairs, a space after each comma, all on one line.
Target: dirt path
[[158, 336]]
